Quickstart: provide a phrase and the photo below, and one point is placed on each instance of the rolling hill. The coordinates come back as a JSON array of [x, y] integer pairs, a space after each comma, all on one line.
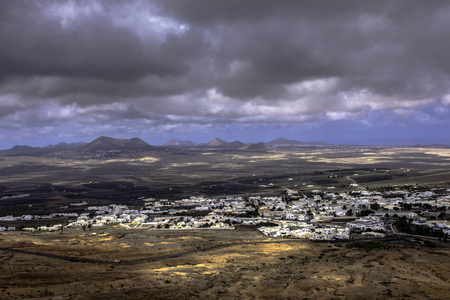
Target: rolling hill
[[104, 143]]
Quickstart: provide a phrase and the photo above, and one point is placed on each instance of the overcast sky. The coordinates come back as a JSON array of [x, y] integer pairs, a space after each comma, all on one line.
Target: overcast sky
[[367, 72]]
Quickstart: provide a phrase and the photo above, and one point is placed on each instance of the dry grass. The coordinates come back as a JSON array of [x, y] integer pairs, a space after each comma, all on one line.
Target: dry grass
[[253, 271]]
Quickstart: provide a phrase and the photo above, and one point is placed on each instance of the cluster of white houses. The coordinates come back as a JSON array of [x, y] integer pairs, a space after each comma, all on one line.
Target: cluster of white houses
[[296, 215], [306, 231]]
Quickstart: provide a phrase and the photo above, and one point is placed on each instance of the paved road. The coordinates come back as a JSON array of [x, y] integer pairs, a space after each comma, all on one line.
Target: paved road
[[362, 188], [389, 227]]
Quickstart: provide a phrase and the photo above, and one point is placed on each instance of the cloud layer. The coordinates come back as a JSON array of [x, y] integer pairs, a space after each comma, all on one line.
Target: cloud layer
[[85, 68]]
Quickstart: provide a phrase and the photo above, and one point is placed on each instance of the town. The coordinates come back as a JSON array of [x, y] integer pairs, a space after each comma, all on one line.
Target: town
[[315, 215]]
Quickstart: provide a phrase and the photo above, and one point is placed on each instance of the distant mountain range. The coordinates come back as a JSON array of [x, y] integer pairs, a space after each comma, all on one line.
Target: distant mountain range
[[27, 150], [215, 143], [109, 144], [64, 146], [221, 144], [238, 145], [293, 143], [218, 143], [102, 143], [178, 143]]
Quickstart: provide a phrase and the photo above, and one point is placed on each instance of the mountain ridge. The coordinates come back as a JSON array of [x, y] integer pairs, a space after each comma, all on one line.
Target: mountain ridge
[[105, 143], [261, 146], [216, 142]]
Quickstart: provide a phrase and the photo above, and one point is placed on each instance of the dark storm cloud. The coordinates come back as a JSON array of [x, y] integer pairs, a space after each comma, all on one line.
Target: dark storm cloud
[[391, 49], [91, 46], [166, 62]]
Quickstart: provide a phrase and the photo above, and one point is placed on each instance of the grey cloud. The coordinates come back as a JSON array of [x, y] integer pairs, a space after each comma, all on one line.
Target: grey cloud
[[90, 46], [222, 61], [387, 55]]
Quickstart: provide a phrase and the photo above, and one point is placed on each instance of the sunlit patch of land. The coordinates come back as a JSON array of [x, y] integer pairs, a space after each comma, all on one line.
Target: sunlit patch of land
[[149, 159], [190, 238], [440, 152], [266, 156], [188, 270], [363, 160], [418, 156], [283, 269], [188, 164]]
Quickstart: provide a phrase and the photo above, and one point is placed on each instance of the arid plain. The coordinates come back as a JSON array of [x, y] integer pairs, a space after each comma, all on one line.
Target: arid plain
[[274, 269], [113, 262]]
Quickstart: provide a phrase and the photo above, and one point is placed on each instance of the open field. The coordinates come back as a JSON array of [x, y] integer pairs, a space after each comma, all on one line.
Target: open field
[[188, 167], [53, 181], [285, 269]]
